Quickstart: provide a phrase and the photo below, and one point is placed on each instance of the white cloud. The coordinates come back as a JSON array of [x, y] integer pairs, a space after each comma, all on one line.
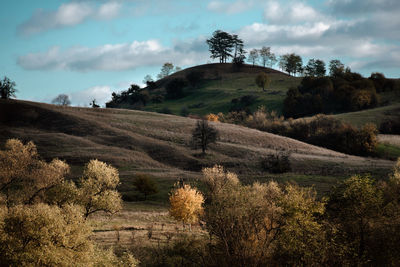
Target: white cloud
[[229, 8], [109, 10], [67, 15], [115, 57], [101, 94], [294, 12], [363, 6]]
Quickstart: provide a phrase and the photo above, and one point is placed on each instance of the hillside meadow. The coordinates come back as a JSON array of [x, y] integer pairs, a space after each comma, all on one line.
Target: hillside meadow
[[159, 145]]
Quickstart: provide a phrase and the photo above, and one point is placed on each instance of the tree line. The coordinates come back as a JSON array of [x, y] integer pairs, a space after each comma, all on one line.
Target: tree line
[[271, 224]]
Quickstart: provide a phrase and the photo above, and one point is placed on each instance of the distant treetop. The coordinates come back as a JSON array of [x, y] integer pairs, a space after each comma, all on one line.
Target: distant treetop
[[7, 88]]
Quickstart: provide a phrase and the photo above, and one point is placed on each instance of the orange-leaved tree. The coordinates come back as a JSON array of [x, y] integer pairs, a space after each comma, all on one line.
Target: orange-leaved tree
[[186, 204]]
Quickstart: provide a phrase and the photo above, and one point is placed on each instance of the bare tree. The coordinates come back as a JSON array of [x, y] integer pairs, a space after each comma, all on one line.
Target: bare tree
[[203, 135]]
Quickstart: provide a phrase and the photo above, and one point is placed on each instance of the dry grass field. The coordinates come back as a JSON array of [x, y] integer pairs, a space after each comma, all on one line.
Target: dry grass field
[[158, 144]]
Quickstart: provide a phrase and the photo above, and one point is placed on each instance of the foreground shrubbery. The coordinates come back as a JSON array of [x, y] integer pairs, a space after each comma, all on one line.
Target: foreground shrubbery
[[320, 130], [43, 216], [267, 224]]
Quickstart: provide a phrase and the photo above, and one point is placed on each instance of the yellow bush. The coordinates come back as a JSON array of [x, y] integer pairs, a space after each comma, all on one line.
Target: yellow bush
[[186, 204], [212, 117]]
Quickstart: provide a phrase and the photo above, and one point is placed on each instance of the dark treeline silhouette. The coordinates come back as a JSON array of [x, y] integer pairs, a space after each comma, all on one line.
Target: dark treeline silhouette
[[320, 130], [343, 91]]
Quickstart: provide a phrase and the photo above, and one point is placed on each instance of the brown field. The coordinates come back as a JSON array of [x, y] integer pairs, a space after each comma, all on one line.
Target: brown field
[[158, 144], [137, 141]]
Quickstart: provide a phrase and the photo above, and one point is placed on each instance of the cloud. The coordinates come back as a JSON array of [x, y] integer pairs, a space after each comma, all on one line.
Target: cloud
[[115, 57], [363, 6], [102, 94], [108, 10], [295, 12], [229, 8], [365, 41], [67, 15]]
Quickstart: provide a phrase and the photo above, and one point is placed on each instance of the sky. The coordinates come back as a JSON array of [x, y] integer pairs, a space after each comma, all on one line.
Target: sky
[[88, 49]]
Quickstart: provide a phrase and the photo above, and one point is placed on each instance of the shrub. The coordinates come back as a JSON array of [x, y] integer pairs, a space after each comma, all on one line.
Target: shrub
[[145, 184], [212, 117], [243, 103], [42, 216], [186, 204], [165, 110], [390, 126], [262, 80], [276, 163], [43, 235], [184, 111]]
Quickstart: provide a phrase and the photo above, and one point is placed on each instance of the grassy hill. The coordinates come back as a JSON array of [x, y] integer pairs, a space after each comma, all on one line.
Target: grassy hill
[[158, 144], [375, 115], [220, 85]]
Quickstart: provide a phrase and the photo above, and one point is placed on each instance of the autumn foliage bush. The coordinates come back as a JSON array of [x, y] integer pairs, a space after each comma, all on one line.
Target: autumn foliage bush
[[271, 224], [43, 216], [212, 117], [186, 204]]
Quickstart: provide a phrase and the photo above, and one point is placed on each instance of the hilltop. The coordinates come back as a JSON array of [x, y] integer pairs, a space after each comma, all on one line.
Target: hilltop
[[158, 144], [219, 84]]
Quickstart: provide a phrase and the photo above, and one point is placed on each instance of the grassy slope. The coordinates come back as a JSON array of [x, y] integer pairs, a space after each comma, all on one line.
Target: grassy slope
[[158, 144], [136, 141], [376, 115], [222, 84]]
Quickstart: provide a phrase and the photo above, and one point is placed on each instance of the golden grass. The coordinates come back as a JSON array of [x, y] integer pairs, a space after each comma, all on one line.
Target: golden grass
[[155, 143]]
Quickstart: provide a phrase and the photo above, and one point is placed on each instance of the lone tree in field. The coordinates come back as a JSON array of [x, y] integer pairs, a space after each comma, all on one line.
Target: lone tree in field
[[186, 204], [62, 100], [7, 88], [145, 185], [203, 135], [262, 80]]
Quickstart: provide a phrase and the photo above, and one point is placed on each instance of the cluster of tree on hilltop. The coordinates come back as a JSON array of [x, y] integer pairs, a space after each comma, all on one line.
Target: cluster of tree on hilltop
[[341, 91]]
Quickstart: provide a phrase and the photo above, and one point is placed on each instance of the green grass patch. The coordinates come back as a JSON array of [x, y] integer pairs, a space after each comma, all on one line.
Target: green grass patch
[[376, 115], [387, 151], [214, 96]]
